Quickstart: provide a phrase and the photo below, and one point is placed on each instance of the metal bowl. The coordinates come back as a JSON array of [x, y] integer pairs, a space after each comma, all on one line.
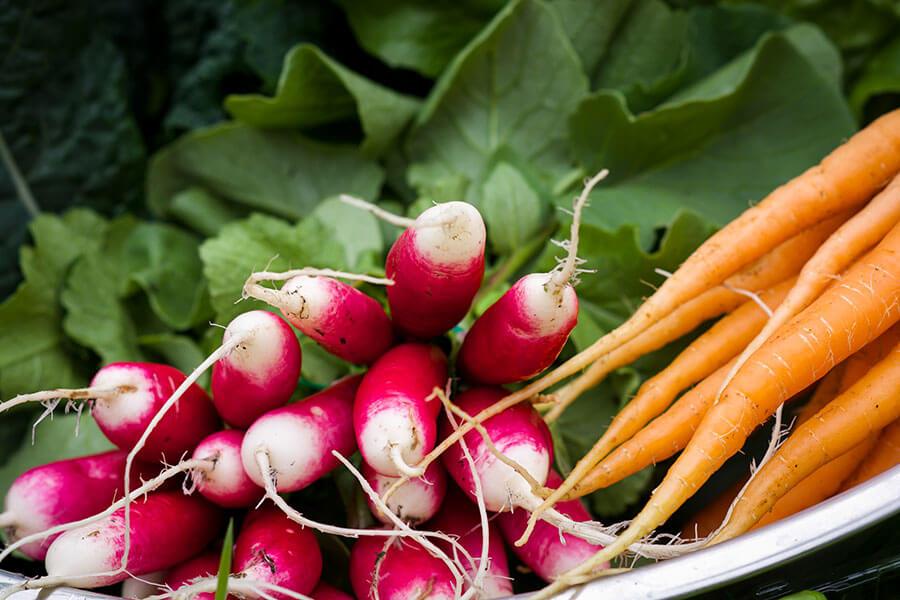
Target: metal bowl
[[777, 546]]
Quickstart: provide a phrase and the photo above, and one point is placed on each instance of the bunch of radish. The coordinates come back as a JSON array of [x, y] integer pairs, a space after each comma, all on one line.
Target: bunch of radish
[[456, 469]]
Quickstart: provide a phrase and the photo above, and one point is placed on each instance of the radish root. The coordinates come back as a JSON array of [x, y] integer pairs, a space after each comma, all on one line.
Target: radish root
[[568, 267], [246, 588], [89, 393]]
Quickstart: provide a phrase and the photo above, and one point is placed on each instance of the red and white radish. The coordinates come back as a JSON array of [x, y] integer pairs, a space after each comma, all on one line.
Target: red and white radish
[[519, 434], [324, 591], [260, 373], [343, 320], [298, 438], [166, 528], [414, 501], [127, 395], [436, 266], [394, 419], [460, 518], [523, 332], [400, 569], [225, 482], [198, 567], [60, 492], [548, 552], [273, 549]]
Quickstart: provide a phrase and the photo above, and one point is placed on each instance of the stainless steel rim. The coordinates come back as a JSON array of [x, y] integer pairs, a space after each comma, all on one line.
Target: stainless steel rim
[[707, 569], [758, 551]]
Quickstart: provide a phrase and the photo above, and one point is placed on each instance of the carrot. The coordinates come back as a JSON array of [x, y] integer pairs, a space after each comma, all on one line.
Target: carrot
[[843, 319], [863, 231], [776, 266], [845, 179], [821, 484], [885, 455], [703, 356], [852, 418], [665, 436], [712, 515]]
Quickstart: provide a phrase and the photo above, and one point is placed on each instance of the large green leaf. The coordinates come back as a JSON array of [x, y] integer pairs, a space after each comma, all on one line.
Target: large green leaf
[[315, 90], [34, 351], [165, 262], [716, 146], [423, 35], [508, 94], [258, 243], [273, 171]]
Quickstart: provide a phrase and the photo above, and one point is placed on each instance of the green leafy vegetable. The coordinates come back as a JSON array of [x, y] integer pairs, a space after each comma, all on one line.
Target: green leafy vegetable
[[715, 146], [314, 90], [508, 92], [274, 171]]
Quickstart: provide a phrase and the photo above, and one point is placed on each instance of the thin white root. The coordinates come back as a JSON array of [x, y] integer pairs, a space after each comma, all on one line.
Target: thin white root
[[402, 466], [376, 572], [567, 269], [239, 586], [484, 559], [401, 527], [216, 355], [262, 461], [89, 393], [386, 216], [536, 487], [149, 486], [259, 276]]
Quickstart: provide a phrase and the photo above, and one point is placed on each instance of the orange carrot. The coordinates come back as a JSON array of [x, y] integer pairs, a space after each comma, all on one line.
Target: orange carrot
[[663, 437], [707, 520], [702, 357], [860, 233], [745, 324], [783, 262], [843, 319], [845, 179], [821, 484], [856, 415], [885, 455]]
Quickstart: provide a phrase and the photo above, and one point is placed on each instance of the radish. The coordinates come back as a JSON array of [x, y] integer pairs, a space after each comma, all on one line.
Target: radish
[[436, 265], [524, 331], [202, 565], [166, 528], [548, 552], [460, 518], [324, 591], [402, 568], [519, 433], [394, 420], [415, 501], [260, 373], [60, 492], [273, 549], [127, 396], [143, 586], [340, 318], [225, 482], [299, 438]]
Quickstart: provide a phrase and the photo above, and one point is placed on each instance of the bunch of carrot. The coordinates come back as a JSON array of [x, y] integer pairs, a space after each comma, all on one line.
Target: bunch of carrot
[[818, 260]]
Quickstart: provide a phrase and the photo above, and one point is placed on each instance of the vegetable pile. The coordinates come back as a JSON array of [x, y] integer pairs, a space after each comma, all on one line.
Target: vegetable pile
[[425, 266]]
